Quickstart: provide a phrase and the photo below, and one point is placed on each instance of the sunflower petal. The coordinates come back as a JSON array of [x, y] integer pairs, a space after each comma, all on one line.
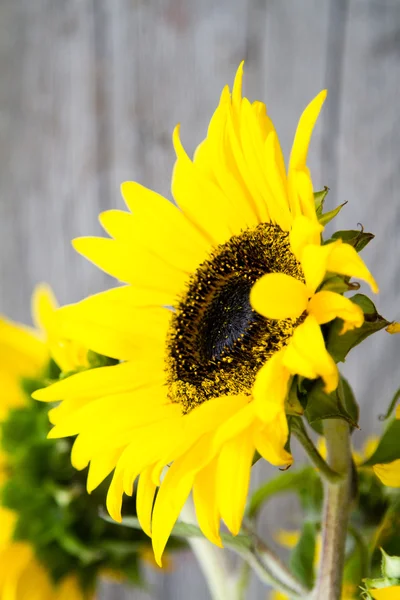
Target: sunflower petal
[[326, 306], [306, 355], [233, 478], [344, 260], [145, 499], [270, 440], [270, 388], [389, 473], [279, 296], [205, 501]]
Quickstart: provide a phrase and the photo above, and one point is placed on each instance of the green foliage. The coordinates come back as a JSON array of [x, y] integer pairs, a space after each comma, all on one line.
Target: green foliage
[[319, 199], [340, 404], [303, 555], [389, 447], [340, 345], [55, 513], [357, 239]]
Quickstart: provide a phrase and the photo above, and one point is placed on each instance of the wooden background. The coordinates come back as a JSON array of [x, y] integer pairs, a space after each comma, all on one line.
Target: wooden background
[[90, 91]]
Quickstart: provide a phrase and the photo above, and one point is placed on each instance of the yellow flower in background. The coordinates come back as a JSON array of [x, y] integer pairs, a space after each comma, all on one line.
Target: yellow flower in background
[[389, 593], [25, 353], [190, 390], [388, 473]]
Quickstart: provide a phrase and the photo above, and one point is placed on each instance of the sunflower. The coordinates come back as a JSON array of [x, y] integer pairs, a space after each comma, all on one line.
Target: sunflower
[[202, 376], [53, 546]]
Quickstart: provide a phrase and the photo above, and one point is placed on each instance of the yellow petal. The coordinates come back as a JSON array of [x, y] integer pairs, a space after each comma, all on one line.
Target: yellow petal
[[270, 388], [118, 331], [287, 538], [301, 204], [233, 479], [304, 231], [201, 201], [393, 328], [279, 208], [279, 296], [326, 306], [205, 501], [389, 593], [102, 381], [314, 262], [101, 466], [270, 440], [389, 473], [306, 355], [174, 492], [140, 268], [344, 260], [160, 226], [145, 499]]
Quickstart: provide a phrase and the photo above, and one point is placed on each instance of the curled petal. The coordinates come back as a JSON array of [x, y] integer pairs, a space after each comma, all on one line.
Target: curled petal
[[389, 473], [304, 231], [344, 260], [279, 296], [326, 306], [306, 355]]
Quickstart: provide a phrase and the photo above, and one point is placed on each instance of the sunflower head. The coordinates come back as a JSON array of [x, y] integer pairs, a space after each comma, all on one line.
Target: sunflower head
[[225, 301]]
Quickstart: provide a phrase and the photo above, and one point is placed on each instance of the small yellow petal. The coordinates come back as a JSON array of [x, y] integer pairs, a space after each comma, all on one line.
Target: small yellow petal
[[304, 231], [270, 440], [393, 328], [314, 262], [389, 593], [279, 296], [145, 499], [344, 260], [270, 388], [205, 501], [389, 473], [326, 306], [233, 479], [306, 355], [287, 538]]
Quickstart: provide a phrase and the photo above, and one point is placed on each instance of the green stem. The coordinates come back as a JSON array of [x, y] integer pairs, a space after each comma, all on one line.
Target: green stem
[[300, 432], [336, 511]]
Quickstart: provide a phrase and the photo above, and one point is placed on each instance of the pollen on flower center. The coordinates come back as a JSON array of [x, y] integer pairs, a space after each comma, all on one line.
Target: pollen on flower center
[[217, 342]]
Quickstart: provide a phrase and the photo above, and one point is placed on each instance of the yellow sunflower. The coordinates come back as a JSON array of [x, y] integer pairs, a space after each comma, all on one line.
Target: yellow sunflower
[[25, 353], [191, 390]]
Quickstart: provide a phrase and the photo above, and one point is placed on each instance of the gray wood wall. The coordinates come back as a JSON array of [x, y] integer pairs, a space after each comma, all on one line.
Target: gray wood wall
[[90, 91]]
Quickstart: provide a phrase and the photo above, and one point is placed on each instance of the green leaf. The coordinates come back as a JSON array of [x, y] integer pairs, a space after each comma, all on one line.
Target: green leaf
[[390, 565], [387, 536], [302, 557], [319, 199], [286, 481], [391, 408], [388, 448], [339, 284], [292, 404], [325, 218], [340, 345], [357, 239], [340, 404]]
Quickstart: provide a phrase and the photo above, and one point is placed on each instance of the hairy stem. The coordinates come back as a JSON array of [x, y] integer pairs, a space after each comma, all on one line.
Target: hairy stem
[[336, 511], [300, 432]]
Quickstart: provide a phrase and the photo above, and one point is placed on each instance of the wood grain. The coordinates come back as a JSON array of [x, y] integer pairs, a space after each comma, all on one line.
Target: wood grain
[[90, 92]]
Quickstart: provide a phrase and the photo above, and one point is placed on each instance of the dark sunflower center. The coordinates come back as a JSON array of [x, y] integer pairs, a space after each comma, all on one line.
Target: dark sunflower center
[[217, 342], [226, 318]]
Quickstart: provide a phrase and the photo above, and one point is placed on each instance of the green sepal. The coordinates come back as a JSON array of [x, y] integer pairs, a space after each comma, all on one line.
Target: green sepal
[[303, 555], [319, 199], [327, 217], [339, 284], [390, 565], [293, 404], [392, 406], [339, 345], [388, 448], [339, 404], [355, 238]]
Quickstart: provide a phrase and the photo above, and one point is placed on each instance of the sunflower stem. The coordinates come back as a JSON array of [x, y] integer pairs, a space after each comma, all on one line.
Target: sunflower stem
[[299, 431], [211, 559], [336, 511]]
